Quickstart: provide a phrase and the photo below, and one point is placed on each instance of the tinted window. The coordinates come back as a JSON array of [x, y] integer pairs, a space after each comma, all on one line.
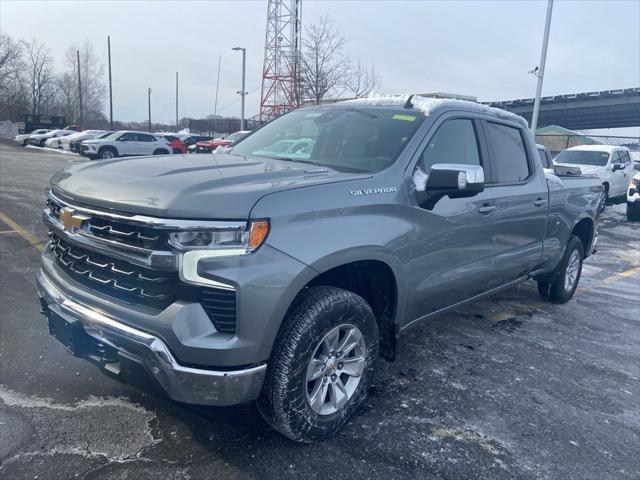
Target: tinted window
[[142, 137], [509, 153], [455, 141], [583, 157], [543, 158], [128, 137], [171, 138], [626, 159]]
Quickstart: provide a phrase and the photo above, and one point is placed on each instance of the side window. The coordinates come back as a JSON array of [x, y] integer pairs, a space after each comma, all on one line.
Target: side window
[[145, 138], [455, 141], [509, 153], [127, 137], [626, 159], [543, 158], [615, 157]]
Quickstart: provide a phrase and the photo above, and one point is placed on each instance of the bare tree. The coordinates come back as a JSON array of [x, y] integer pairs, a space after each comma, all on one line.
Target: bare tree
[[93, 84], [362, 80], [10, 56], [323, 64], [37, 79]]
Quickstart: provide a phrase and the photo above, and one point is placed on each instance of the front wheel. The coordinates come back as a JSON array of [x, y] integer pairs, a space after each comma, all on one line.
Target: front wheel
[[563, 282], [321, 364]]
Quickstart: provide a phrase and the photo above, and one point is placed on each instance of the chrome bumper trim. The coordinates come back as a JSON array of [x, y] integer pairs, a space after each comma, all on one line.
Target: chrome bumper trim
[[181, 383]]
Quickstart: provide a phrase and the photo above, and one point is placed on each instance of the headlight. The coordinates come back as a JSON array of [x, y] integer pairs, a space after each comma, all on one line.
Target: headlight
[[245, 239]]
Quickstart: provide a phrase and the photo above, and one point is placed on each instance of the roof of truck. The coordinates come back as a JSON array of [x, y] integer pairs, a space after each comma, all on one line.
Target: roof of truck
[[427, 105], [598, 148]]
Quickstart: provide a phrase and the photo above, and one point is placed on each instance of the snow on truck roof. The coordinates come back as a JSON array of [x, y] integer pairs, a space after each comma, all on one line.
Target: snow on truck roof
[[597, 148], [427, 105]]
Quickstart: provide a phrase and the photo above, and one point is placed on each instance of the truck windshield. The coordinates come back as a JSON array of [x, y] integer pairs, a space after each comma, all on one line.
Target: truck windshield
[[583, 157], [342, 138]]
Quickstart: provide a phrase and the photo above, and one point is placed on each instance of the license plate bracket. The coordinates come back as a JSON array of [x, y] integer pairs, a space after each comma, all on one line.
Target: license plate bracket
[[68, 333]]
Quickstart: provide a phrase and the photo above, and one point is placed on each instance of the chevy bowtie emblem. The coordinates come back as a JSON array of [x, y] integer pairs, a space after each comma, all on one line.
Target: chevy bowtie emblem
[[70, 219]]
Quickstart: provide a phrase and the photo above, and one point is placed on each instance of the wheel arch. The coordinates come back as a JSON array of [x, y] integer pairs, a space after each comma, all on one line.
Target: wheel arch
[[584, 230], [376, 277]]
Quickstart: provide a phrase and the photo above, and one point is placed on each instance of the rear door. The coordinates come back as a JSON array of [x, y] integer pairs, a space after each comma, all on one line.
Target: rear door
[[522, 191], [148, 143], [618, 175], [452, 253], [627, 166]]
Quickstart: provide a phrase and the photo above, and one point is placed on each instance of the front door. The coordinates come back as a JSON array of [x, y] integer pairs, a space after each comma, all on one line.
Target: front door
[[452, 251]]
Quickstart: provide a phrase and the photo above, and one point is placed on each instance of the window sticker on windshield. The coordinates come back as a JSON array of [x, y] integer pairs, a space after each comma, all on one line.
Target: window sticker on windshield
[[406, 118]]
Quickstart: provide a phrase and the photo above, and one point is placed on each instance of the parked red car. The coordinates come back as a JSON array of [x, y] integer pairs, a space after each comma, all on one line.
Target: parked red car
[[209, 146], [177, 145], [75, 128]]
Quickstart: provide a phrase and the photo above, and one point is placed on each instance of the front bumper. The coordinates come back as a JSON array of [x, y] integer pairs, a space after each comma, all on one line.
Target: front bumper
[[108, 341]]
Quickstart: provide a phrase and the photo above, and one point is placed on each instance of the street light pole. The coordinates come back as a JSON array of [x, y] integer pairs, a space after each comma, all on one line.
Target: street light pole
[[242, 92], [540, 72]]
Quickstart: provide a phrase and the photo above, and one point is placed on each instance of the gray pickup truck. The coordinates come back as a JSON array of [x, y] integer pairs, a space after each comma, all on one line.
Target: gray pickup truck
[[280, 270]]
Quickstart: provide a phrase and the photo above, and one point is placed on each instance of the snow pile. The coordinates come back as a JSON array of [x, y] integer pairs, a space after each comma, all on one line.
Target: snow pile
[[8, 129], [427, 104]]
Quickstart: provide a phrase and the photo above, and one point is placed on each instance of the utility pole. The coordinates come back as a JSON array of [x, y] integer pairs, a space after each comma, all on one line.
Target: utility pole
[[177, 127], [215, 105], [149, 99], [80, 92], [540, 72], [243, 92], [110, 90]]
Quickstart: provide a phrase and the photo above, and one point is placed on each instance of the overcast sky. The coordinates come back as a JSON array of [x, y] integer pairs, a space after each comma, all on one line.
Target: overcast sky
[[475, 48]]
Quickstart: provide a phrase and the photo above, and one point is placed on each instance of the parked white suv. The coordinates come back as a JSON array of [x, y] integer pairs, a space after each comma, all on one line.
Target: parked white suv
[[65, 142], [39, 140], [125, 143], [611, 164], [23, 138], [56, 140]]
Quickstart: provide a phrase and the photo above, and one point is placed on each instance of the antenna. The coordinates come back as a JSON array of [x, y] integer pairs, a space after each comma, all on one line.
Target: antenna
[[408, 103]]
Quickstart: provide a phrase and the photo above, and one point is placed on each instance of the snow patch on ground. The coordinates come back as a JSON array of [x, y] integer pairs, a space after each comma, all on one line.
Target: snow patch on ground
[[54, 150]]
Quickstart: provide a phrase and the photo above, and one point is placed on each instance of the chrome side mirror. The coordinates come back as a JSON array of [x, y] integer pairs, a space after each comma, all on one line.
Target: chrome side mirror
[[448, 179]]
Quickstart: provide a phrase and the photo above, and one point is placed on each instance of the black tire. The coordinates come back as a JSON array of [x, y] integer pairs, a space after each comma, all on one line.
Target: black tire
[[554, 288], [176, 151], [161, 151], [633, 212], [283, 401], [25, 143], [107, 153], [605, 197]]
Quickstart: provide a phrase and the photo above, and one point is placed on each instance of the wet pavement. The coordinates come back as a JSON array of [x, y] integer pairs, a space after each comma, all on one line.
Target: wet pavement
[[508, 388]]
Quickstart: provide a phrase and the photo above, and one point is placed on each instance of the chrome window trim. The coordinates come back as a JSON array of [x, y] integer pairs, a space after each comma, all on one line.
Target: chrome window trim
[[155, 222]]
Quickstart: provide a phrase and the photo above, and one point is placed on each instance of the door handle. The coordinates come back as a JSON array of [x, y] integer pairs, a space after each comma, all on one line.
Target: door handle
[[539, 202], [486, 209]]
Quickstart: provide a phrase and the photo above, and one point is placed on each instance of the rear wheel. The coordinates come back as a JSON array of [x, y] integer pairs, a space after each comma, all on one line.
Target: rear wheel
[[160, 151], [560, 285], [321, 365]]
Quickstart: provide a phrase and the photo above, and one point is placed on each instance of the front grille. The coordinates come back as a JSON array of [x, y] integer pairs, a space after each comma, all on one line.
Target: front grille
[[119, 279], [220, 305], [123, 233]]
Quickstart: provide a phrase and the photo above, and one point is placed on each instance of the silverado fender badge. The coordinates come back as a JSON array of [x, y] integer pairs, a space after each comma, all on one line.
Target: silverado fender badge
[[70, 219], [372, 191]]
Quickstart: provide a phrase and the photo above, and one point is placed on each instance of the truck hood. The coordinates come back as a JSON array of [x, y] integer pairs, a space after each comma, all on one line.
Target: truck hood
[[217, 186]]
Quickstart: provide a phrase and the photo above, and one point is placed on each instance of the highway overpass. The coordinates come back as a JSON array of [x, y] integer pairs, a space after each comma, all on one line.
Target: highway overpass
[[582, 111]]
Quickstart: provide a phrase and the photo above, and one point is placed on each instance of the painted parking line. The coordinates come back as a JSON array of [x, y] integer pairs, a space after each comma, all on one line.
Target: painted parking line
[[8, 231], [612, 278], [35, 243]]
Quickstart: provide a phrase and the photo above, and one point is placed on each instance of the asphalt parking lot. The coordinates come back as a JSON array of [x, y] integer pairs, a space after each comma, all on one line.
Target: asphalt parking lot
[[508, 388]]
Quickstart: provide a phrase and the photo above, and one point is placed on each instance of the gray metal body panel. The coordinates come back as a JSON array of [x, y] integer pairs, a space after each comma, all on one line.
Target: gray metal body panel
[[322, 219]]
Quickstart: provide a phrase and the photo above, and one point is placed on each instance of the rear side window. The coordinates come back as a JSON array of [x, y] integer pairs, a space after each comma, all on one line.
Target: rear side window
[[171, 138], [509, 153], [145, 138], [455, 141], [543, 158], [626, 159]]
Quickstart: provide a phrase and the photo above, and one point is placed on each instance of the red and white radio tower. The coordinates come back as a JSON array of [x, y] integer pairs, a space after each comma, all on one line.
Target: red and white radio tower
[[280, 81]]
